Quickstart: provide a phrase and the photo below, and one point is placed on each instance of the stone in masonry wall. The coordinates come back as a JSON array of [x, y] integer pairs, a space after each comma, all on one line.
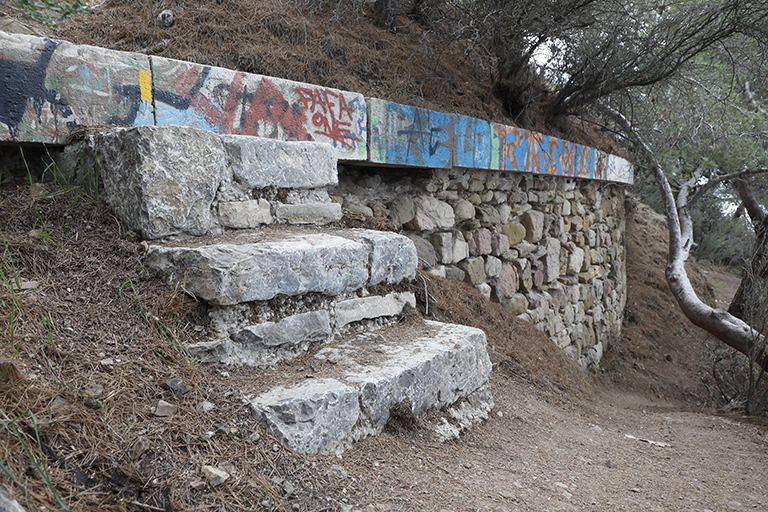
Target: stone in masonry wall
[[550, 249]]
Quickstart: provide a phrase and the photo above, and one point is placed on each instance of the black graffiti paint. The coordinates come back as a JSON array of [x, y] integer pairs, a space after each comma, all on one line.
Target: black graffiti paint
[[22, 81], [183, 102]]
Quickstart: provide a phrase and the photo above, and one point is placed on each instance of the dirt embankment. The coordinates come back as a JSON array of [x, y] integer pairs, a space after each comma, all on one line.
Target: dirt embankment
[[96, 335]]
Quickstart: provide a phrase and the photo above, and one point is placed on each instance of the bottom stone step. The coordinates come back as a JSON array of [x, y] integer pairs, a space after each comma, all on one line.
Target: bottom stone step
[[360, 380]]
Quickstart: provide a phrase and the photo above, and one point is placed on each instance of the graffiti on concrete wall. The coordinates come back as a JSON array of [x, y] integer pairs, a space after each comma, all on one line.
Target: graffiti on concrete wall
[[473, 143], [48, 87], [16, 93], [406, 135], [226, 101], [516, 149]]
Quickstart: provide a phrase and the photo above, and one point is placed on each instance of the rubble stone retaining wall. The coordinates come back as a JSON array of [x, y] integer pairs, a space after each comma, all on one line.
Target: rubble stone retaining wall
[[532, 221], [550, 249]]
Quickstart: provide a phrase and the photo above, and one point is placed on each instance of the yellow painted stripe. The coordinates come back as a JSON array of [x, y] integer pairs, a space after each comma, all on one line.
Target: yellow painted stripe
[[145, 83]]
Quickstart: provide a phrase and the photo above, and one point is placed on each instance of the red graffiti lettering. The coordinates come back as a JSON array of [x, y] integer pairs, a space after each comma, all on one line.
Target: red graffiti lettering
[[344, 109], [336, 130], [328, 108], [184, 83], [550, 164], [566, 159]]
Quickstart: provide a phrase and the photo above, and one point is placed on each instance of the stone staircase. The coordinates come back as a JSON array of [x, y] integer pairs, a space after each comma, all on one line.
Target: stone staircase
[[246, 225]]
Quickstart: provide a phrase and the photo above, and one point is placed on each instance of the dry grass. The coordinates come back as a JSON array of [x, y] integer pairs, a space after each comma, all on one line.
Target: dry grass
[[331, 43]]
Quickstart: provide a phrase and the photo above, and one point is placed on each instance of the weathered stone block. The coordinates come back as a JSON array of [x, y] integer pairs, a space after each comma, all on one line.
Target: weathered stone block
[[244, 214], [454, 273], [474, 269], [483, 244], [524, 272], [392, 259], [314, 416], [533, 221], [484, 289], [231, 274], [401, 210], [443, 246], [463, 210], [305, 327], [431, 213], [552, 260], [426, 252], [432, 371], [161, 181], [460, 247], [488, 215], [268, 342], [506, 284], [575, 260], [492, 266], [354, 310], [258, 162], [499, 244], [515, 233], [517, 304], [310, 213], [505, 211]]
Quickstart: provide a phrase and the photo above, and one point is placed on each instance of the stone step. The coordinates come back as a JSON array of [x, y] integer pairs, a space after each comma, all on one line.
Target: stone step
[[164, 181], [260, 265], [358, 381], [241, 341]]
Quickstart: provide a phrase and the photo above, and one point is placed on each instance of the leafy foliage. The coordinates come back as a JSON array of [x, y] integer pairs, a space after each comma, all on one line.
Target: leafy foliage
[[49, 12]]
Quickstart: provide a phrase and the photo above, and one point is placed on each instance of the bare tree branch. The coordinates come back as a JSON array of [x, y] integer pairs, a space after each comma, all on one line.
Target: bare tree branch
[[729, 329]]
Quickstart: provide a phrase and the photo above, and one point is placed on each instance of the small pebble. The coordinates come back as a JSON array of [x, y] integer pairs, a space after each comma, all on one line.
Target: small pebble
[[164, 409], [610, 464]]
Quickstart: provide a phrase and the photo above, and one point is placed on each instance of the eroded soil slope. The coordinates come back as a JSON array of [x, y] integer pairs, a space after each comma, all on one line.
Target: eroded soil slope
[[95, 335]]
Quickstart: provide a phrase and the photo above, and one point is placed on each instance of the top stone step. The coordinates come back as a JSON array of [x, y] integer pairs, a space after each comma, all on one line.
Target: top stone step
[[168, 180]]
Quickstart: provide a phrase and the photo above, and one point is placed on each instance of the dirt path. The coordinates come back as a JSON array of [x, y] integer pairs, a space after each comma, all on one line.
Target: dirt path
[[570, 450], [540, 451]]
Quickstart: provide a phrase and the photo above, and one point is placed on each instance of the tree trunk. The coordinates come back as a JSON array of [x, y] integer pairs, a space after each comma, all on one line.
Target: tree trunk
[[749, 303], [387, 11], [733, 331]]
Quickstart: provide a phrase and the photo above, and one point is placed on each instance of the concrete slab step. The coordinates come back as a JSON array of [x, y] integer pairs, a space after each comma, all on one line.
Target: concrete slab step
[[257, 266], [359, 380]]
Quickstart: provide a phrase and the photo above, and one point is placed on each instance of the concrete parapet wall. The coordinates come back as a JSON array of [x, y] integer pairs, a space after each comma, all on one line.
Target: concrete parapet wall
[[48, 88], [233, 102], [406, 135]]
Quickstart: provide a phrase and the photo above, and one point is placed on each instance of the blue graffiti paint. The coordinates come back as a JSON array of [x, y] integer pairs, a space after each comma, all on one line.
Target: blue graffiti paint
[[424, 138], [473, 143]]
